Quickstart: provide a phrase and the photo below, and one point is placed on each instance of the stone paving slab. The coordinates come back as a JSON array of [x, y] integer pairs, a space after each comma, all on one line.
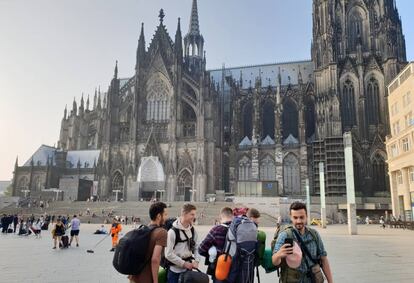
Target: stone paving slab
[[375, 255]]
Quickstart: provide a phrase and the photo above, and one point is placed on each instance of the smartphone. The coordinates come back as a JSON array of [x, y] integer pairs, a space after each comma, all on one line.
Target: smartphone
[[289, 241]]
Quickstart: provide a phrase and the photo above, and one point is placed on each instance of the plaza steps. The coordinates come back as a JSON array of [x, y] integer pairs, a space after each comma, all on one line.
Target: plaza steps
[[207, 213]]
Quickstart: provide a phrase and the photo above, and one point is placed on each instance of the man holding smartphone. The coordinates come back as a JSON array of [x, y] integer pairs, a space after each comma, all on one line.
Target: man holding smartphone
[[314, 258]]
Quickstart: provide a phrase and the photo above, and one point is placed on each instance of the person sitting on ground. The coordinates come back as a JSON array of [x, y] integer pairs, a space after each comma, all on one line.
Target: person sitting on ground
[[101, 231]]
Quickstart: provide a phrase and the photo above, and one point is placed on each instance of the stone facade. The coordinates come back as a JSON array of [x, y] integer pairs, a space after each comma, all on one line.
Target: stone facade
[[254, 130]]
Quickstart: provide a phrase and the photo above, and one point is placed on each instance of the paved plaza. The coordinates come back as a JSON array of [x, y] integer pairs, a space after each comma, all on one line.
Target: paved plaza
[[375, 255]]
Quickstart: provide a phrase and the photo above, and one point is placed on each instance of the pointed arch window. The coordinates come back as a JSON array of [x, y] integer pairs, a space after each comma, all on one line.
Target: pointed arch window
[[291, 175], [379, 173], [348, 105], [247, 118], [268, 120], [157, 102], [267, 169], [245, 169], [372, 102]]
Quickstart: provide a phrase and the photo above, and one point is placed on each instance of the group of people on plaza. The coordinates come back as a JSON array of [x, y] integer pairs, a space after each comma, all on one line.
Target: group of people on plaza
[[175, 250], [24, 226]]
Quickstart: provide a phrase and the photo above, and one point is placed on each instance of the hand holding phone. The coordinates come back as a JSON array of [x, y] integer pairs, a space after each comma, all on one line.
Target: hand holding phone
[[289, 241]]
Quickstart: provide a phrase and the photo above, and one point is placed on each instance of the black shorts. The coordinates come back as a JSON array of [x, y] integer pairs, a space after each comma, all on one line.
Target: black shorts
[[74, 233]]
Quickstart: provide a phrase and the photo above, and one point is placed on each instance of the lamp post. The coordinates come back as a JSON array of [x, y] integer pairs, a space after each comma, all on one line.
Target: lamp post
[[350, 185], [57, 193], [116, 194], [193, 191], [308, 200], [322, 193], [25, 192], [161, 194]]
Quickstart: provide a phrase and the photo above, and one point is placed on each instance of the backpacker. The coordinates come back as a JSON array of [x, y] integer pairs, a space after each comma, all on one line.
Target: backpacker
[[130, 253], [241, 245], [283, 270], [178, 239]]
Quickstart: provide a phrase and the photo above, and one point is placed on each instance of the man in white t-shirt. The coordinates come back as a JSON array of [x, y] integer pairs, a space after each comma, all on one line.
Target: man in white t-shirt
[[74, 232]]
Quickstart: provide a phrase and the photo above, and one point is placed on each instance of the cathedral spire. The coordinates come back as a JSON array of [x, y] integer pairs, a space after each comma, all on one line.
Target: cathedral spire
[[65, 112], [116, 70], [194, 28], [95, 97], [178, 42], [99, 101], [74, 107], [87, 103], [141, 48], [161, 16], [16, 164]]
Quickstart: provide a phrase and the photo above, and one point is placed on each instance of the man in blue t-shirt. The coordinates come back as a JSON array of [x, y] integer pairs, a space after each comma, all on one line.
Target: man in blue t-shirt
[[74, 232]]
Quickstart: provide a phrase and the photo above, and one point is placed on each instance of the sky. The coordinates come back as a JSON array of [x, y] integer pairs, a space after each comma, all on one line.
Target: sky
[[52, 51]]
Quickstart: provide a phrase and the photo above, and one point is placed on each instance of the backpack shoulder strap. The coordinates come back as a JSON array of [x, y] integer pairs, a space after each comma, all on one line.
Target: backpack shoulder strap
[[177, 236], [289, 231]]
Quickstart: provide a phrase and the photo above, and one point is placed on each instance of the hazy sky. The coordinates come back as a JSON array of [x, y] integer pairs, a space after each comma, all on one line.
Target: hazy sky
[[51, 51]]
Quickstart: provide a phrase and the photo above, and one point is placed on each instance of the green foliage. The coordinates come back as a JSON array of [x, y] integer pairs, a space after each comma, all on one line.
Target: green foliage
[[9, 191]]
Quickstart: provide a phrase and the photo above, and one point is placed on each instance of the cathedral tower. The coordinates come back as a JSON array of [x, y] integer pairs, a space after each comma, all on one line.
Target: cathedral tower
[[358, 47]]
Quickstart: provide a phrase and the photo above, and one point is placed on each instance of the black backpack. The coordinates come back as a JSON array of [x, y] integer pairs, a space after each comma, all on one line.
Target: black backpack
[[131, 251]]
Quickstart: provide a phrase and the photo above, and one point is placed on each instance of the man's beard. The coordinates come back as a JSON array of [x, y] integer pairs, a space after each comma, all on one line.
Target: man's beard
[[299, 226]]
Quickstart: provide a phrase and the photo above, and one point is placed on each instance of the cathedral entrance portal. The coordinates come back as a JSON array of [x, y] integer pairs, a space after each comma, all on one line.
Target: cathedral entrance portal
[[185, 186], [151, 179]]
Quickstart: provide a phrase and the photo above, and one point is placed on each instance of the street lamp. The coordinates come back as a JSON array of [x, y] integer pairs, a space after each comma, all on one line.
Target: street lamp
[[161, 194], [25, 192], [192, 194], [57, 193], [116, 194]]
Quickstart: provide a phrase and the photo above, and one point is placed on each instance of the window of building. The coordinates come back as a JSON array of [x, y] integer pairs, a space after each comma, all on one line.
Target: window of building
[[411, 174], [399, 178], [406, 144], [396, 128], [394, 150], [394, 109], [407, 99], [408, 119]]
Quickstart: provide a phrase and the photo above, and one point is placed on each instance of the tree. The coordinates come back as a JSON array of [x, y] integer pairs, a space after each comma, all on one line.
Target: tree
[[9, 191]]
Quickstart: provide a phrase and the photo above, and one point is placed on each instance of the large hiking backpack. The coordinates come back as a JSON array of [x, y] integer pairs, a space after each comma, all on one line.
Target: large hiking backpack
[[241, 245], [130, 253]]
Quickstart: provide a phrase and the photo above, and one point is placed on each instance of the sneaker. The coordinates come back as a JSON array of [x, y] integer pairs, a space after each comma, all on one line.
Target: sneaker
[[112, 250], [77, 245], [54, 248]]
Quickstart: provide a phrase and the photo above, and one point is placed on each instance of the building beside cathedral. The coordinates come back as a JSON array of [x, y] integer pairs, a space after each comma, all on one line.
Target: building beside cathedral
[[182, 132]]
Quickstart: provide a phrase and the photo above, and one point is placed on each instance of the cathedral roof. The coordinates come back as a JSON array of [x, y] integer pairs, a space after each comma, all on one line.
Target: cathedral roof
[[86, 158], [268, 141], [41, 155], [289, 73], [291, 140], [246, 142]]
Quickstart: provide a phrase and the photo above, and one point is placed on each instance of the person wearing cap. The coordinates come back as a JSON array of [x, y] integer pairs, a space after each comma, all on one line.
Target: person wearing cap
[[115, 229], [295, 263]]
